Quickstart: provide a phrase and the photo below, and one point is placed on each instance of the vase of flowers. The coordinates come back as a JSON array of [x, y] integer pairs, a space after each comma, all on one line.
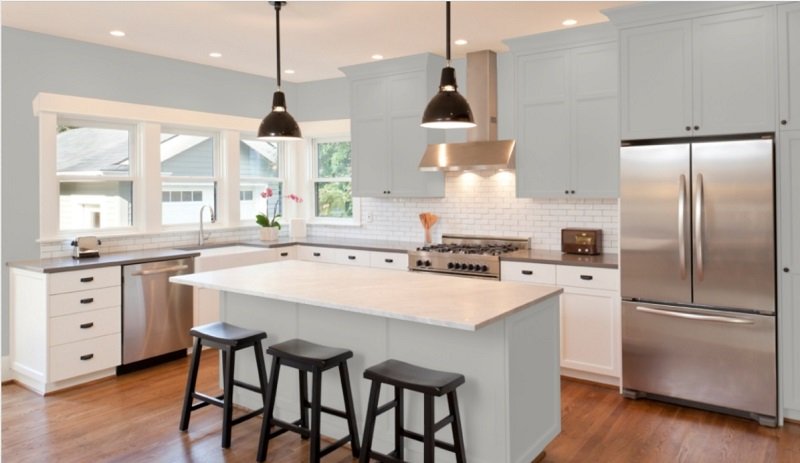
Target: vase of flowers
[[270, 226]]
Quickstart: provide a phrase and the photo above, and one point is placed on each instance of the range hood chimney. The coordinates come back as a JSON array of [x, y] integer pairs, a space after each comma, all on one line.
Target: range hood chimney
[[482, 151]]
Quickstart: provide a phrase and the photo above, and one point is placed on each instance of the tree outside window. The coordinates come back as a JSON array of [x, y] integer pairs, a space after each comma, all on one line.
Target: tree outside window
[[332, 183]]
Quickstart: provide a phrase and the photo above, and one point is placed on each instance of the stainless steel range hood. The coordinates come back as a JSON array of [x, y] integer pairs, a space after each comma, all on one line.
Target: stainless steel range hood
[[482, 151]]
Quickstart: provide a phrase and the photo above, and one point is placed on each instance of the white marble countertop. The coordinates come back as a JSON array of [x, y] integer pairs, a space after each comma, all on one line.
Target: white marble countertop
[[450, 301]]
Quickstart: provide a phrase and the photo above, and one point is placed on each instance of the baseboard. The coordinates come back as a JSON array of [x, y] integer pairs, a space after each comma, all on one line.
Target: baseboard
[[590, 377], [791, 415], [5, 375]]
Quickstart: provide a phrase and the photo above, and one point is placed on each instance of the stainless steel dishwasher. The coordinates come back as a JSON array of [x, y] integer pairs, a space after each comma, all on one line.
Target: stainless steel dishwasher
[[156, 314]]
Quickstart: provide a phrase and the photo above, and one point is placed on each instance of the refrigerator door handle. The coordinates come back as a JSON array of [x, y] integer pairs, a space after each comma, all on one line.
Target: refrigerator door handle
[[682, 224], [695, 316], [698, 227]]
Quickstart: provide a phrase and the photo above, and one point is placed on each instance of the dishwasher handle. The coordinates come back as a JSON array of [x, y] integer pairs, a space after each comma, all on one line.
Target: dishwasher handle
[[156, 271]]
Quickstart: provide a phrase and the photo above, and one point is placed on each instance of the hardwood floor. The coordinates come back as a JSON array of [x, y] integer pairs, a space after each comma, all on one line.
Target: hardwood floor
[[134, 418]]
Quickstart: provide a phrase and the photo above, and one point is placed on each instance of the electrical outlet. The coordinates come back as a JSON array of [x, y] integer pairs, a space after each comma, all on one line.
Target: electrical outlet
[[370, 217]]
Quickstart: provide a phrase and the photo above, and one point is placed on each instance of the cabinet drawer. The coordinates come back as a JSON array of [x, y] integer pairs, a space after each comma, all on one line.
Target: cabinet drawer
[[80, 280], [83, 357], [352, 257], [83, 301], [84, 325], [316, 254], [389, 260], [528, 272], [587, 277], [285, 253]]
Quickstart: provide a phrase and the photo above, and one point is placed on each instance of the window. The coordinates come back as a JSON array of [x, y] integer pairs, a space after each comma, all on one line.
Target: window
[[259, 166], [333, 197], [93, 168], [188, 181]]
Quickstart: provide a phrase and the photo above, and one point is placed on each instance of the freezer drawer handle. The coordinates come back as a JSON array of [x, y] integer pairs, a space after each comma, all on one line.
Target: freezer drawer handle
[[174, 268], [587, 277], [87, 357], [527, 272], [86, 326], [695, 316], [87, 279], [87, 300]]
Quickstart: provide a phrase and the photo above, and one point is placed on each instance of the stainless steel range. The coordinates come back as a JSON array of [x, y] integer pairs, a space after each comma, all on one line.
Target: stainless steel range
[[474, 256]]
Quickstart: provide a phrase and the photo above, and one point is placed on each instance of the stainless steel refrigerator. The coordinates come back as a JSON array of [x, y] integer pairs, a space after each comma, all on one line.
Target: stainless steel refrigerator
[[697, 259]]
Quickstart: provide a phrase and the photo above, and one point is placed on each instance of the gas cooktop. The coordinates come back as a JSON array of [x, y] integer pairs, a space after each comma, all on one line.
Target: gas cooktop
[[477, 256]]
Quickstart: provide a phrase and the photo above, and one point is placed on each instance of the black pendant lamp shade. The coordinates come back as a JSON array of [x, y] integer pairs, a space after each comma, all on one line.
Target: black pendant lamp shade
[[279, 125], [448, 109]]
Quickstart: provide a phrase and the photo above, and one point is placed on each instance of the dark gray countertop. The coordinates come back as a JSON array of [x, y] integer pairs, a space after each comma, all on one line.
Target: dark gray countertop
[[66, 264], [349, 243], [558, 258]]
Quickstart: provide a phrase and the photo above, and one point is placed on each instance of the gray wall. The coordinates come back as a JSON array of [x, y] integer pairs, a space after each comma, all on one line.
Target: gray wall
[[34, 63]]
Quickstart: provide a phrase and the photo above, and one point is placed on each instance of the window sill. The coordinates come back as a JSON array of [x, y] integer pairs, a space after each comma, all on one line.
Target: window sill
[[334, 222]]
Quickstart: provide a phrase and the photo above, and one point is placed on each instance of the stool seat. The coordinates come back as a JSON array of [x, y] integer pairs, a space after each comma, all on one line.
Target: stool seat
[[308, 353], [227, 334], [414, 378]]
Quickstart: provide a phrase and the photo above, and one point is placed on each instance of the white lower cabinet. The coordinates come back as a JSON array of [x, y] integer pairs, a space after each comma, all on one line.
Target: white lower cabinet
[[66, 327], [316, 254], [590, 316], [345, 256], [389, 260]]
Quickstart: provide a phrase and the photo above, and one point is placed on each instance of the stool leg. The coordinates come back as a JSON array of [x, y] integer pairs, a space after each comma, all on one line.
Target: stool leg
[[458, 438], [352, 426], [369, 425], [191, 382], [263, 440], [303, 377], [398, 422], [262, 372], [316, 415], [227, 400], [428, 443]]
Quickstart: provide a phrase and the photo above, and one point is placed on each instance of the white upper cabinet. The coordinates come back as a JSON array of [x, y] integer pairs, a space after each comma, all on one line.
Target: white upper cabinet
[[387, 100], [789, 65], [710, 75], [566, 114]]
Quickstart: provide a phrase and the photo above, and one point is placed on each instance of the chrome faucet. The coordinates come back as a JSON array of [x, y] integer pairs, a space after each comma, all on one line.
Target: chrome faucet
[[203, 236]]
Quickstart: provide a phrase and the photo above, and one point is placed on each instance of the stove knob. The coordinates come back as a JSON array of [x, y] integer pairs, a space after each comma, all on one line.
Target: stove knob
[[457, 266], [484, 268], [427, 263], [419, 263], [471, 267], [450, 265]]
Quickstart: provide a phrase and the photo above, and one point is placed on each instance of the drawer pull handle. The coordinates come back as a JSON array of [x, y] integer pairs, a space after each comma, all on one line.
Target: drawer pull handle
[[389, 261], [87, 279], [284, 254], [87, 357], [86, 326], [88, 300], [527, 272], [316, 254], [587, 277], [351, 257]]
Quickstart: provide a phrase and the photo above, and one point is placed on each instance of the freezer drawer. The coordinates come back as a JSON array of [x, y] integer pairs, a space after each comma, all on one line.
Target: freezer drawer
[[724, 359]]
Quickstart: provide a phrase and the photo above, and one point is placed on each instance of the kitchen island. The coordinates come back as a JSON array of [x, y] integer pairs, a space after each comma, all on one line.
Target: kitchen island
[[504, 338]]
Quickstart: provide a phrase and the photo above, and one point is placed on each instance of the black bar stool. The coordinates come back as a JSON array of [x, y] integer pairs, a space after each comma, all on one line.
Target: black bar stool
[[314, 358], [431, 383], [227, 338]]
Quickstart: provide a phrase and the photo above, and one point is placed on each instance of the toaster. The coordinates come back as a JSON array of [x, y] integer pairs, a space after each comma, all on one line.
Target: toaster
[[587, 241], [85, 246]]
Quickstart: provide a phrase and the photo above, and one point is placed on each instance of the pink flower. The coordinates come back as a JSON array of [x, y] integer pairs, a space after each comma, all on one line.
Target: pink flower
[[295, 198], [267, 193]]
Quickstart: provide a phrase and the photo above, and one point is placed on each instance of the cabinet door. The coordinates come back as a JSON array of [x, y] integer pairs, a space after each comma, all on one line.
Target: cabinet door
[[734, 72], [595, 129], [789, 65], [789, 259], [369, 135], [655, 81], [590, 331], [543, 143]]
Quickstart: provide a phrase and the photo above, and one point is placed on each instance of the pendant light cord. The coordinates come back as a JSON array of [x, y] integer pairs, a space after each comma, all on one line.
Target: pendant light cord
[[448, 32], [278, 39]]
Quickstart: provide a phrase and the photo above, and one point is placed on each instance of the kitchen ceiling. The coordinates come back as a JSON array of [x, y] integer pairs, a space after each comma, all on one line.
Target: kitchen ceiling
[[317, 38]]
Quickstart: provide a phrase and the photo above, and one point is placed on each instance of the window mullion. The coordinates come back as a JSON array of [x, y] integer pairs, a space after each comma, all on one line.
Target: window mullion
[[147, 185], [49, 208], [227, 174]]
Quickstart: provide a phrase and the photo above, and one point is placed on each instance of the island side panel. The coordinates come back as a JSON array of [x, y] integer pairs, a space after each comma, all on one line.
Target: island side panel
[[534, 383]]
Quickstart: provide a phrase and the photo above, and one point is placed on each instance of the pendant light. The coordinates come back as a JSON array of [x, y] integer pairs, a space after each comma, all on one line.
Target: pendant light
[[279, 125], [448, 109]]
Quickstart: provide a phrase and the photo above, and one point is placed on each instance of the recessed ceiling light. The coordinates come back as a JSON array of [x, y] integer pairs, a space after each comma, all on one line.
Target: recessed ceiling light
[[289, 71], [569, 22], [214, 54], [461, 42], [376, 56], [116, 33]]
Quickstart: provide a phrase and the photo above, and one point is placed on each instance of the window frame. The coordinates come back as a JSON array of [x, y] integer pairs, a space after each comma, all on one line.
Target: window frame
[[313, 179], [282, 178]]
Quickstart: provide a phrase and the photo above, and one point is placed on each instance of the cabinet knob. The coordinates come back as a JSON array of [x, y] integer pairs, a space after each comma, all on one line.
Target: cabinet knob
[[572, 192], [688, 128], [786, 269], [566, 192], [697, 127], [784, 122]]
